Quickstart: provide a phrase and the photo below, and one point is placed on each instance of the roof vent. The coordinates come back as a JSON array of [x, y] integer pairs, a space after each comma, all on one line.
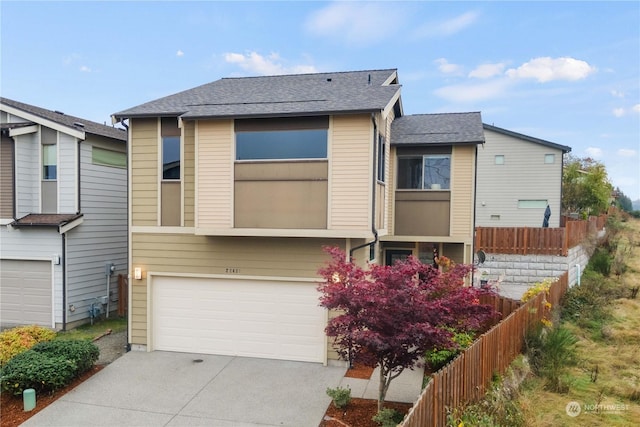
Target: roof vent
[[369, 80], [329, 79], [59, 112], [78, 124]]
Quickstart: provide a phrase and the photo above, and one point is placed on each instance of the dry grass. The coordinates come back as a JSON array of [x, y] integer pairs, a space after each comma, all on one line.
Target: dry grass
[[613, 399]]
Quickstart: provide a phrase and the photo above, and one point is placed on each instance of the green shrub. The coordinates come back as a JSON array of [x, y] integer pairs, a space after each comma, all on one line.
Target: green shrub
[[83, 353], [38, 371], [388, 417], [437, 358], [550, 353], [600, 262], [340, 396], [18, 340]]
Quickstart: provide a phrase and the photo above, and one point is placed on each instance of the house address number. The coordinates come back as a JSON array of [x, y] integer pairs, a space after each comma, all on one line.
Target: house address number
[[232, 270]]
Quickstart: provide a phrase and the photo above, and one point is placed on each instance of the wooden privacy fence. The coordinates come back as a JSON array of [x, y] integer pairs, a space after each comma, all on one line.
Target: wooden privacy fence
[[537, 240], [123, 294], [466, 378]]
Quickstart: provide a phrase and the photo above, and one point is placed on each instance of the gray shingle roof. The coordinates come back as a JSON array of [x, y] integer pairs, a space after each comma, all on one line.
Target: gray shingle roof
[[299, 94], [563, 148], [69, 121], [437, 129]]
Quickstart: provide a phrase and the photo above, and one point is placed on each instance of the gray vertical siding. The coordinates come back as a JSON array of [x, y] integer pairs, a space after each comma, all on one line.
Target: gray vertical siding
[[101, 238], [67, 175], [524, 175], [27, 149]]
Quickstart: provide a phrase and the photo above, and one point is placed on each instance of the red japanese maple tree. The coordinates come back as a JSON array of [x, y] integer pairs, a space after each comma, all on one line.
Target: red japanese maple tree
[[388, 316]]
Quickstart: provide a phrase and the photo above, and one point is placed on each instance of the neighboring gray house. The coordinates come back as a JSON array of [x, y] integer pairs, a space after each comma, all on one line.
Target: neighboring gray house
[[63, 216], [518, 176]]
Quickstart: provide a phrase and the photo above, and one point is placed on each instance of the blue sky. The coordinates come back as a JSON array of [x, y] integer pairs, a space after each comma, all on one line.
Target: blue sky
[[567, 72]]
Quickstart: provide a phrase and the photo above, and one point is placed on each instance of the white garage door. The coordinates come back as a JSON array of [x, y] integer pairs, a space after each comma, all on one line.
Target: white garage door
[[274, 320], [25, 292]]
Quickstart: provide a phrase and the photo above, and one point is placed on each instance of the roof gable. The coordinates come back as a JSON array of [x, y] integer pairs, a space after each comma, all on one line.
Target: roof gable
[[268, 96], [563, 148], [74, 124], [437, 129]]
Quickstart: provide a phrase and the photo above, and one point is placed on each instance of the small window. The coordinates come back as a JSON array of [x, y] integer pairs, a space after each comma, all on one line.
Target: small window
[[499, 159], [549, 158], [532, 204], [49, 162], [102, 157], [381, 158], [171, 157]]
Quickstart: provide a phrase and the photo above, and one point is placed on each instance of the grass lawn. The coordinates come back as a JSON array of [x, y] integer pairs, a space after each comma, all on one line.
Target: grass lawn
[[90, 332]]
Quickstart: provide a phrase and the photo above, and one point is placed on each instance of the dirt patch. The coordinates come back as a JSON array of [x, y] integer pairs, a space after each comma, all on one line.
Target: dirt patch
[[359, 371], [359, 413]]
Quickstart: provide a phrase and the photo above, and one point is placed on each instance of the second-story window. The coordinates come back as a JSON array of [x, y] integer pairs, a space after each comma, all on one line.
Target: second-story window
[[427, 172], [49, 162], [381, 158], [282, 139], [170, 157]]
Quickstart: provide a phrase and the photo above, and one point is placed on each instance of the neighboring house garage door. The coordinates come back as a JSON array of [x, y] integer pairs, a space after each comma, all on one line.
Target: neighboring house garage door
[[252, 318], [25, 292]]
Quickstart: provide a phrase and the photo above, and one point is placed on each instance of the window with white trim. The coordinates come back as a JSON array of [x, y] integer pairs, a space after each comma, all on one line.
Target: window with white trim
[[427, 172]]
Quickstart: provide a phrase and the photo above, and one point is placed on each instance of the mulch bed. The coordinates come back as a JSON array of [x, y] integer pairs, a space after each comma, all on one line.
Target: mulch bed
[[359, 412], [12, 412]]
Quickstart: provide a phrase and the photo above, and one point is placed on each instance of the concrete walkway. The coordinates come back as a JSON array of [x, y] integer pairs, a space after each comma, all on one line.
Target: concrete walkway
[[406, 388]]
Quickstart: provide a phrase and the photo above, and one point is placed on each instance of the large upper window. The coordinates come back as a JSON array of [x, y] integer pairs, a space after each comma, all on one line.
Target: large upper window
[[49, 162], [282, 139], [116, 159], [428, 172]]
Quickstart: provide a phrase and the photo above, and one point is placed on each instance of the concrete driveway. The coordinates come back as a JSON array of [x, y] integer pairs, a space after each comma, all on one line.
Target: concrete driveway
[[179, 389]]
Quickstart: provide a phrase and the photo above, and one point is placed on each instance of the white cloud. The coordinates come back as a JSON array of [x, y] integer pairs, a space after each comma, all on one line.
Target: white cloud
[[594, 152], [269, 65], [625, 152], [356, 22], [85, 69], [618, 112], [473, 92], [545, 69], [448, 27], [617, 94], [636, 108], [179, 53], [446, 67], [486, 71]]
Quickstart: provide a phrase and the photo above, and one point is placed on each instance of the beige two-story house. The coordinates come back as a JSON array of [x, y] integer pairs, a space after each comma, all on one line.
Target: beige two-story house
[[236, 186]]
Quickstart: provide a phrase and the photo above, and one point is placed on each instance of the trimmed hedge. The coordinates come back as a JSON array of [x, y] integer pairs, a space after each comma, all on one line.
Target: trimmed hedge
[[83, 353], [48, 366], [18, 340]]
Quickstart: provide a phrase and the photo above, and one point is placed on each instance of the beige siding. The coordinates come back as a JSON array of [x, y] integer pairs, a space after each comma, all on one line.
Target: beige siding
[[462, 187], [215, 141], [391, 186], [188, 131], [190, 254], [523, 176], [351, 172], [6, 178], [144, 172]]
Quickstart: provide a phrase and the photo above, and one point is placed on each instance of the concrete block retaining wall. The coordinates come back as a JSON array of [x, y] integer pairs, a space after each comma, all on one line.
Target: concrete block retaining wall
[[522, 271]]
